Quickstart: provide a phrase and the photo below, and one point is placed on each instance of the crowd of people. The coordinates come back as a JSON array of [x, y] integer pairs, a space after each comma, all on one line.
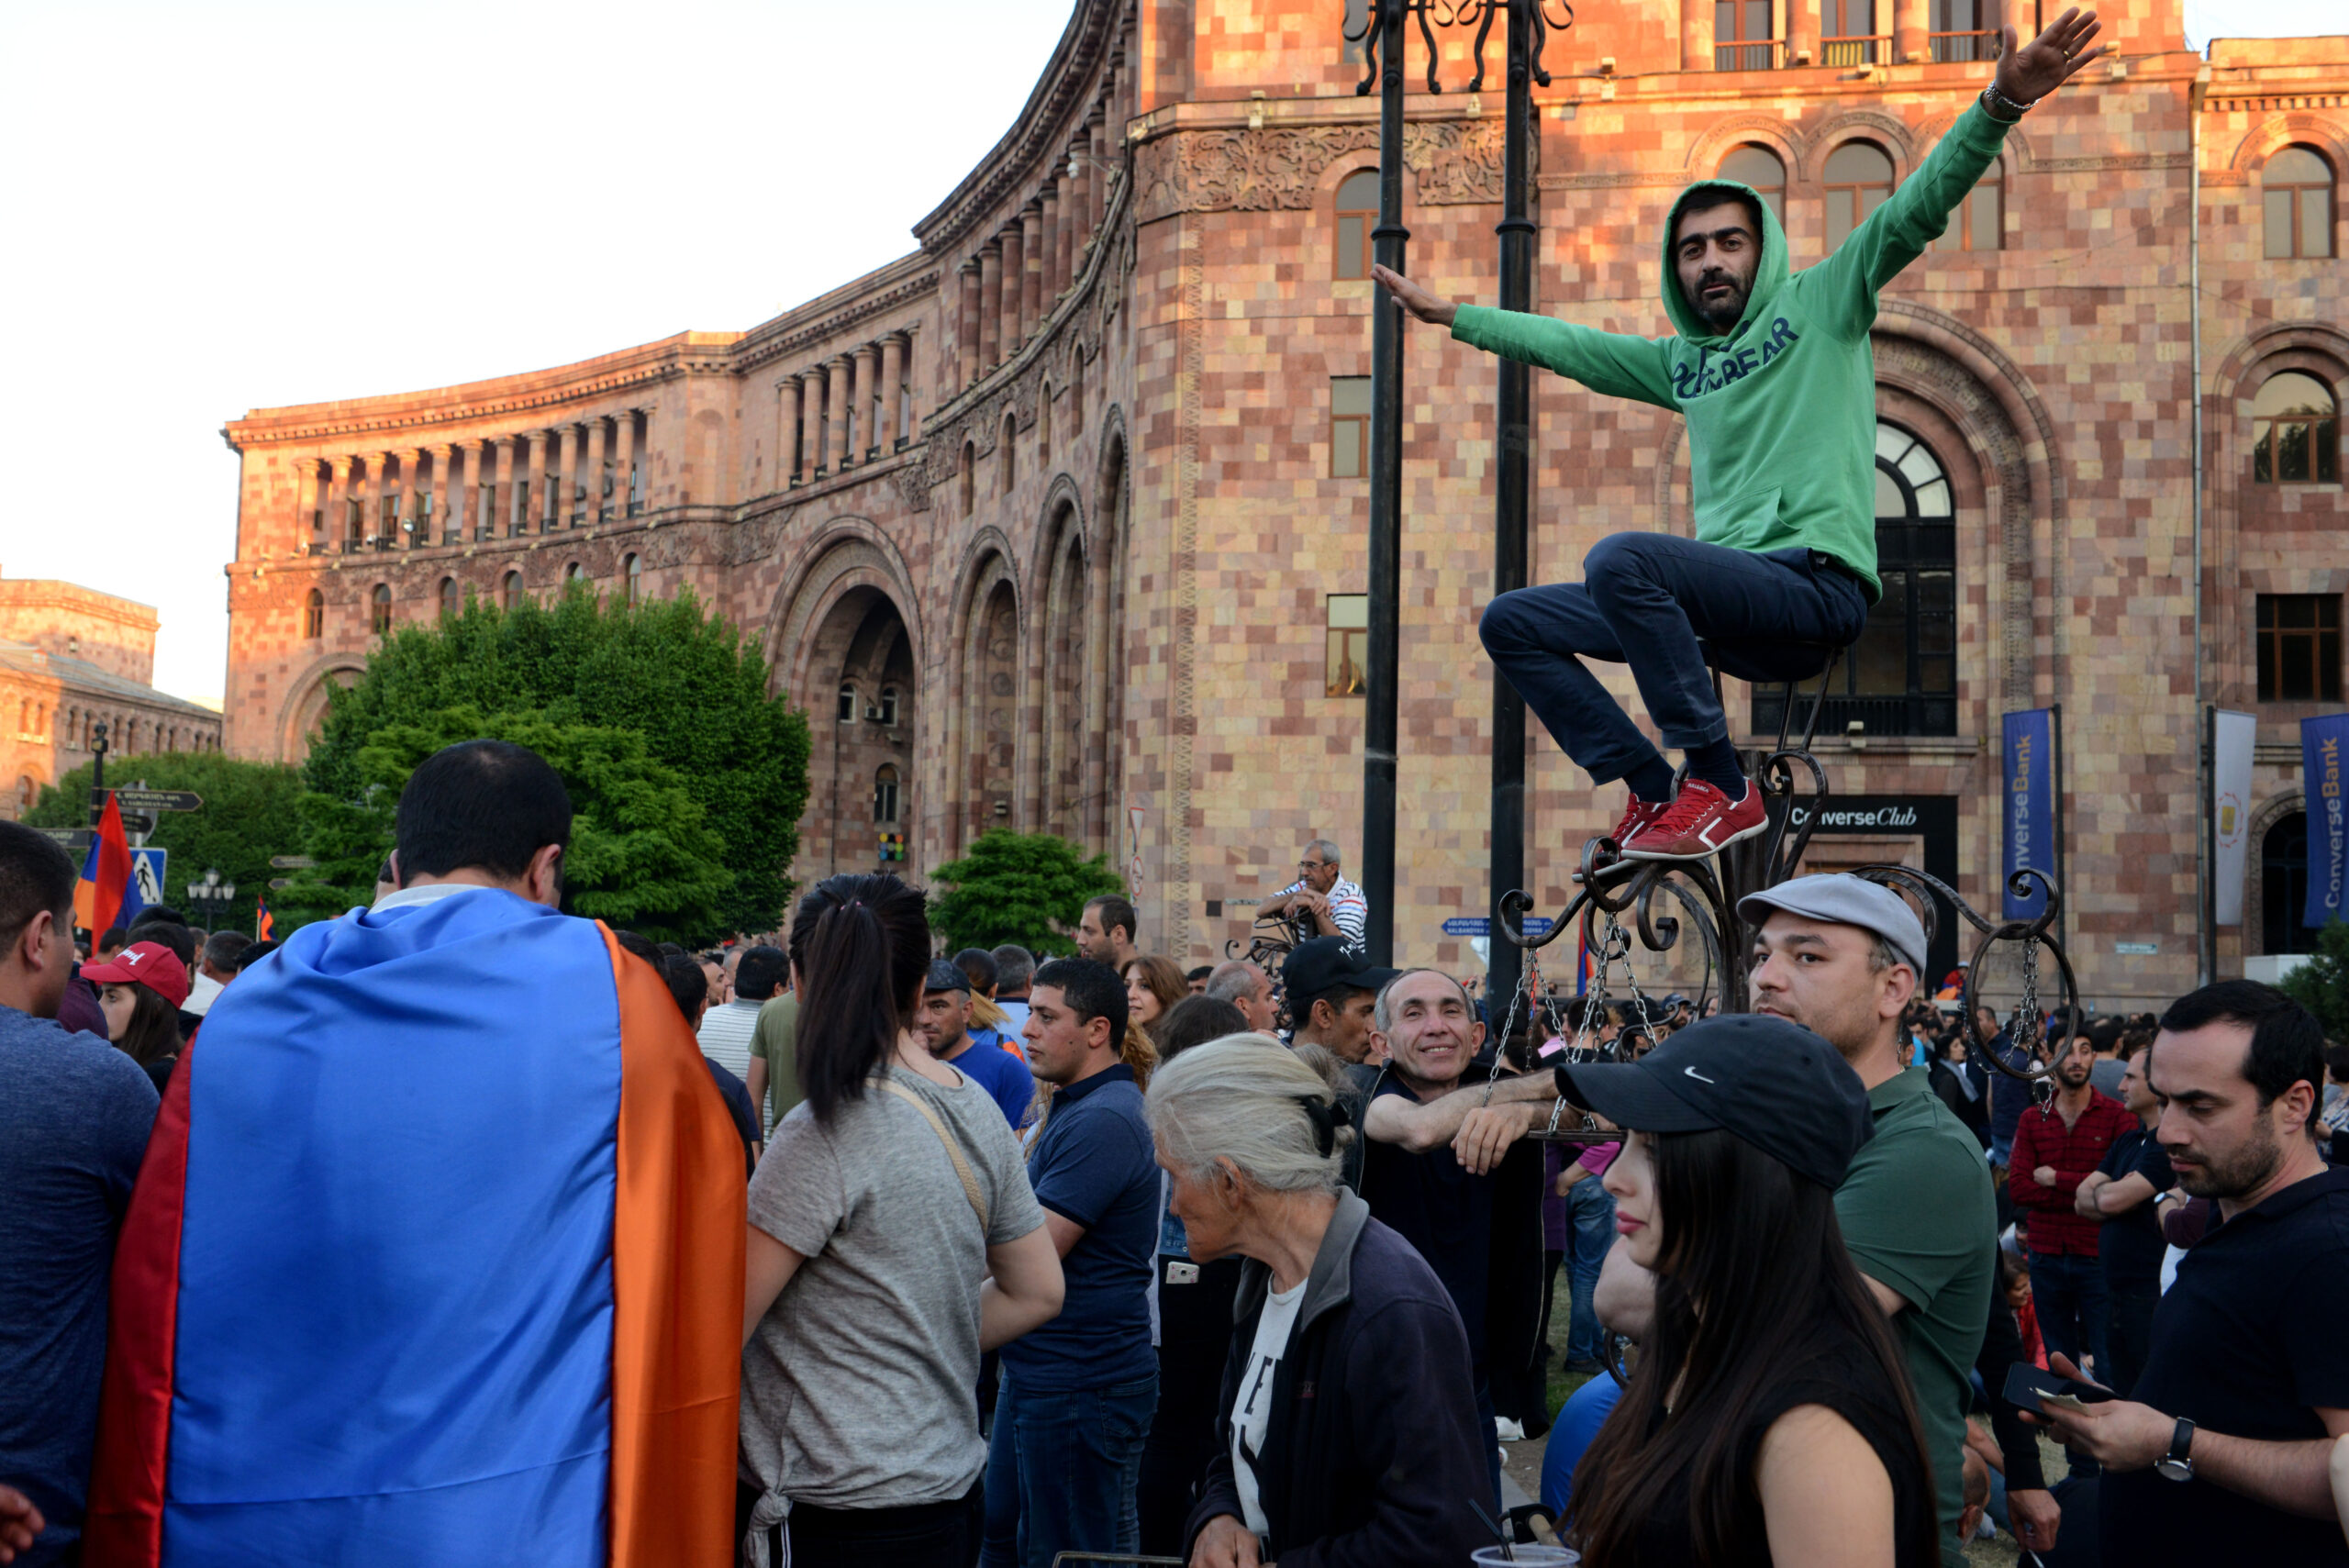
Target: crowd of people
[[1095, 1256]]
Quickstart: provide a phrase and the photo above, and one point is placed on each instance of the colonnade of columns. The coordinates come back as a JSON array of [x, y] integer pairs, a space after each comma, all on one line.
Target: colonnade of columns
[[1009, 285], [591, 470], [855, 407], [71, 729]]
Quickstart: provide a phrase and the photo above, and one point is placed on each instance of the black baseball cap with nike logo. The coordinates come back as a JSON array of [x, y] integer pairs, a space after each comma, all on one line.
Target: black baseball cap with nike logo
[[1772, 1083]]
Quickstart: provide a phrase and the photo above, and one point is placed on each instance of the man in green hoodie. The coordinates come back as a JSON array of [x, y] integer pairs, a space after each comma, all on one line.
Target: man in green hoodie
[[1774, 373]]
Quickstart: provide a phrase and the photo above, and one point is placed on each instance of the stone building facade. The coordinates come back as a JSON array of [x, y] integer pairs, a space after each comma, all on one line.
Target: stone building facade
[[1058, 523], [72, 658]]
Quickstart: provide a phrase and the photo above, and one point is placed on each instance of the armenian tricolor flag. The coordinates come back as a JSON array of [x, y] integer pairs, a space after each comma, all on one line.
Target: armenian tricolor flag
[[107, 895], [436, 1258], [264, 923]]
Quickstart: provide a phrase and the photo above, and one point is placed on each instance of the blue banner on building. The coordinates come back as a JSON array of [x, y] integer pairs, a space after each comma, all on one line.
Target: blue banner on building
[[2029, 798], [2323, 742]]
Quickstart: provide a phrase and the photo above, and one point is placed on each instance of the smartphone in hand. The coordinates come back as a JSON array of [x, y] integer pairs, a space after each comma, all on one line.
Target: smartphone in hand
[[2038, 1391]]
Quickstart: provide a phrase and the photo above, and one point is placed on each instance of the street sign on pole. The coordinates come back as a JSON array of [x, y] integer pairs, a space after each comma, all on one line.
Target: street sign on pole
[[290, 863], [147, 869], [279, 884], [157, 800], [77, 840]]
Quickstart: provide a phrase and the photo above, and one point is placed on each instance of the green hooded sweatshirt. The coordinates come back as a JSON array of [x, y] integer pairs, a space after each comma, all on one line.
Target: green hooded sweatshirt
[[1781, 409]]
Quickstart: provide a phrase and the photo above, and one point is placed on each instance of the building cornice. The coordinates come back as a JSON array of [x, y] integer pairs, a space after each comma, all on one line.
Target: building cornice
[[1039, 134], [909, 280]]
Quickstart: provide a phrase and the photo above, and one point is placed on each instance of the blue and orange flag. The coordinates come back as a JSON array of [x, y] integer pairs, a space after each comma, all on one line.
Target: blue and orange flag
[[435, 1257], [264, 923], [107, 893]]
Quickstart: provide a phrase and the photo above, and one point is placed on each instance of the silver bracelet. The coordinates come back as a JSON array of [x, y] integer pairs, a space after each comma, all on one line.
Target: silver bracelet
[[1995, 101]]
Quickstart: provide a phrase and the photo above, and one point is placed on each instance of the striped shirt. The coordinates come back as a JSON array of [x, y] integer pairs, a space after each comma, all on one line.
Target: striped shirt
[[1347, 907], [726, 1032]]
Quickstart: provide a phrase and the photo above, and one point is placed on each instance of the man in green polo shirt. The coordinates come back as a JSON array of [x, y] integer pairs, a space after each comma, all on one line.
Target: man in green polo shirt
[[1840, 956]]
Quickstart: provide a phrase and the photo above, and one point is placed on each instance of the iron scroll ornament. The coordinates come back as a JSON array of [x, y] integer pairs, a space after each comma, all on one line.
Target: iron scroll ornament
[[1433, 14]]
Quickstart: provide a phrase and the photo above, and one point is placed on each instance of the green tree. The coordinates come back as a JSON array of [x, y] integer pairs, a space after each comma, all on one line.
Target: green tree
[[683, 682], [1027, 888], [2321, 984], [248, 816], [642, 854]]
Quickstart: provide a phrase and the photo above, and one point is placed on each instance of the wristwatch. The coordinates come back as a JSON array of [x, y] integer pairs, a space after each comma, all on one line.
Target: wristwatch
[[2178, 1464]]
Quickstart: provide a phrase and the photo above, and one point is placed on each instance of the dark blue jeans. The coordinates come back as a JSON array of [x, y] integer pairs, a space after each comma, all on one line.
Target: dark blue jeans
[[1591, 1208], [2069, 1292], [1645, 600], [1062, 1469]]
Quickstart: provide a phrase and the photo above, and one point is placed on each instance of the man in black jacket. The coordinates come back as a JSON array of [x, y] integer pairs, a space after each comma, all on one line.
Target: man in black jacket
[[1369, 1458]]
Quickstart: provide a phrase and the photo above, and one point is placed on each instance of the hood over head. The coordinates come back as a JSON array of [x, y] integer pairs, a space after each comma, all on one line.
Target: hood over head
[[1769, 276]]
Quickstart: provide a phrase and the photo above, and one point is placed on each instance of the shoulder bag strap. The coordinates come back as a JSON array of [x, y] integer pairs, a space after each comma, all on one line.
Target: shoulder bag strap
[[953, 1149]]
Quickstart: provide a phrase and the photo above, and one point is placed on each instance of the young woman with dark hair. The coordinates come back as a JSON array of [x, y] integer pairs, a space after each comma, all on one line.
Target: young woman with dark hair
[[1153, 985], [893, 1237], [140, 992], [1769, 1419]]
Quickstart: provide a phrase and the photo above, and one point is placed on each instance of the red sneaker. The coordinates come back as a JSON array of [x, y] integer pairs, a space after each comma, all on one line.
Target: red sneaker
[[1637, 816], [1701, 821]]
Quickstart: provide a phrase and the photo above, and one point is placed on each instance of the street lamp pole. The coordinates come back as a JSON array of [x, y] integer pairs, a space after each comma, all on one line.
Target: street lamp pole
[[1379, 719], [1511, 489]]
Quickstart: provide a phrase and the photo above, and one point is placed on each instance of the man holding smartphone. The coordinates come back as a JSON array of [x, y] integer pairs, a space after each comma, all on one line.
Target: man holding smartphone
[[2221, 1456]]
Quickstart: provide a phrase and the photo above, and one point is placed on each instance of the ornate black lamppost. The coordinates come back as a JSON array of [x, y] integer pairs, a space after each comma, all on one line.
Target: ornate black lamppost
[[1382, 32], [212, 896]]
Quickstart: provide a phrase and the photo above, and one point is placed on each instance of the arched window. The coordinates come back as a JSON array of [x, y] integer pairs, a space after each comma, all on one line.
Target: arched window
[[1007, 454], [887, 713], [885, 793], [314, 616], [1076, 395], [451, 599], [1858, 178], [1900, 678], [1759, 167], [1357, 212], [970, 477], [509, 590], [1979, 222], [2284, 886], [632, 578], [573, 572], [381, 618], [2295, 431], [2296, 204], [848, 702], [1044, 428]]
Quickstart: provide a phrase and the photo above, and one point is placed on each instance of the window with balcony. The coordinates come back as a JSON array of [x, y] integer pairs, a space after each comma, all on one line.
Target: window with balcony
[[885, 793], [1742, 36], [380, 611], [1858, 179], [1356, 209], [2295, 204], [1848, 35], [2298, 646], [314, 616], [1900, 678], [1348, 427], [1962, 30], [2295, 431], [1349, 645], [1979, 222], [1751, 164]]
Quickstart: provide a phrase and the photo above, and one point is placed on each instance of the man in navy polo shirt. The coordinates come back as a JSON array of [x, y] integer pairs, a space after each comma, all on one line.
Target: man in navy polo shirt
[[1078, 1393], [2221, 1455]]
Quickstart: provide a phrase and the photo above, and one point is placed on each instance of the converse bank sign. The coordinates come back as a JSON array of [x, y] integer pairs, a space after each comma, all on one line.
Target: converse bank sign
[[2030, 816], [2322, 741]]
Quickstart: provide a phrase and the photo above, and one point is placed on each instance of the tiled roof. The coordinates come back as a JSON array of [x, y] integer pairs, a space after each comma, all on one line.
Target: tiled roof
[[80, 675]]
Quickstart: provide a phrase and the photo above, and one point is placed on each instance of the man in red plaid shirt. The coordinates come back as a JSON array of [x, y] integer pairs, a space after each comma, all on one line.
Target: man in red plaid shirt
[[2055, 1146]]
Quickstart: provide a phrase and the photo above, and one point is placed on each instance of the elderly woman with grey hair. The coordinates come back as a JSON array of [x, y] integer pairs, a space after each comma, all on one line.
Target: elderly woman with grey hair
[[1349, 1426]]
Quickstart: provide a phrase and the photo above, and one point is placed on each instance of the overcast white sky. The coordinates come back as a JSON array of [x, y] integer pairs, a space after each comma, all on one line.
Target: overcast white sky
[[222, 205]]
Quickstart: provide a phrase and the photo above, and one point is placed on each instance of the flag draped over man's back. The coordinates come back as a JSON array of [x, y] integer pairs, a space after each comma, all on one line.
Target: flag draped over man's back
[[436, 1258]]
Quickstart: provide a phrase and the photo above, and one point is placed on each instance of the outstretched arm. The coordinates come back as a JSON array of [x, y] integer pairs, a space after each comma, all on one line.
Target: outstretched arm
[[1614, 364]]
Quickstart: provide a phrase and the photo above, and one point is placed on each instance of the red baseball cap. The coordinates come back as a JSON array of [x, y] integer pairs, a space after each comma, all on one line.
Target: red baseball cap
[[150, 965]]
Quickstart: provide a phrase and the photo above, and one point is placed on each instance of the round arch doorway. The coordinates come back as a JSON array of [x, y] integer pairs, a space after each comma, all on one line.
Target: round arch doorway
[[861, 710]]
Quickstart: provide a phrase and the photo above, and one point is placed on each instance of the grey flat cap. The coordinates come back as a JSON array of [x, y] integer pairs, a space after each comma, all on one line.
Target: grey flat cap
[[1846, 900]]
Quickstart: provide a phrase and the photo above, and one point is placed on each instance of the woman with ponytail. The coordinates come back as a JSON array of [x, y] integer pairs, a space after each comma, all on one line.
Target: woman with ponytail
[[892, 1238]]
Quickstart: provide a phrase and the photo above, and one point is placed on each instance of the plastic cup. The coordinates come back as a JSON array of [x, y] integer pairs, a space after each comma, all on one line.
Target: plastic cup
[[1531, 1556]]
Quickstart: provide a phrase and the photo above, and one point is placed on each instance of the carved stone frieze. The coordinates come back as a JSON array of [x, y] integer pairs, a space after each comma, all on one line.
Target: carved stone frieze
[[1237, 169]]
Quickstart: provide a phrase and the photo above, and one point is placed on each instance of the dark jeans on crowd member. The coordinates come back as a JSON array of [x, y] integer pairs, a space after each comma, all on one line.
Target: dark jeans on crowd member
[[1592, 1209], [1194, 1341], [2068, 1291], [1062, 1470], [918, 1535], [1645, 600], [2129, 1333]]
